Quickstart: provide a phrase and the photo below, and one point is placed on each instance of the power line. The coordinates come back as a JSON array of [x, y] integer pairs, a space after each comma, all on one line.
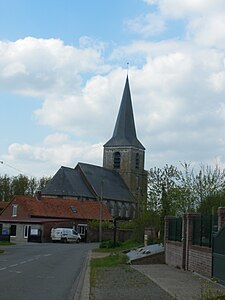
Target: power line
[[18, 170]]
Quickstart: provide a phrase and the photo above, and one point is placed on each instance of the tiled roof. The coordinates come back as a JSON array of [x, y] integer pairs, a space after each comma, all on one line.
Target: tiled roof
[[3, 205], [55, 208]]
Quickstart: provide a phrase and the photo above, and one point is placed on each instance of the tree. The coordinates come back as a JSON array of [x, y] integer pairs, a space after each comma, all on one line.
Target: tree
[[5, 188], [43, 181], [211, 203], [20, 185], [162, 188], [209, 182], [174, 192]]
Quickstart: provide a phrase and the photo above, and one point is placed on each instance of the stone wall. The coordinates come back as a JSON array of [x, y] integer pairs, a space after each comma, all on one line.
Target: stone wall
[[174, 254]]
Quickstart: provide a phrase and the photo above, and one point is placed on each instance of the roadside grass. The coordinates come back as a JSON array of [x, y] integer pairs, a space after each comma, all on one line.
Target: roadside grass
[[5, 244], [123, 247], [114, 258], [210, 293], [110, 261]]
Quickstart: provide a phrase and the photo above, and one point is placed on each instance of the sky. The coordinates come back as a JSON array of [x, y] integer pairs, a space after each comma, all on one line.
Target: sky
[[63, 66]]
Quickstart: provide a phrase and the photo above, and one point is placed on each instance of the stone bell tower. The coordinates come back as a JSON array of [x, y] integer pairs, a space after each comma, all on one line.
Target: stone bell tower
[[125, 153]]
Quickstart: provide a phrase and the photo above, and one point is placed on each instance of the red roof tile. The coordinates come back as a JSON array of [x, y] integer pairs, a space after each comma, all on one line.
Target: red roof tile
[[55, 208], [3, 204]]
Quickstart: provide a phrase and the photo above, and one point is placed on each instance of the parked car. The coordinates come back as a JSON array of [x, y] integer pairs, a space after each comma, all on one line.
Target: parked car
[[65, 235]]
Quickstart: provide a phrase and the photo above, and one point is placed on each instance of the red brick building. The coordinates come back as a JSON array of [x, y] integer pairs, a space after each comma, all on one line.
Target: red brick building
[[38, 215]]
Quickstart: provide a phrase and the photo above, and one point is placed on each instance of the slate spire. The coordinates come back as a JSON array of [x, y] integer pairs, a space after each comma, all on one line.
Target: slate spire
[[124, 132]]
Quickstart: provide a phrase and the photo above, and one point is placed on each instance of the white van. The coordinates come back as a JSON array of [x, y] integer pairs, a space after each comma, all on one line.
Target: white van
[[65, 235]]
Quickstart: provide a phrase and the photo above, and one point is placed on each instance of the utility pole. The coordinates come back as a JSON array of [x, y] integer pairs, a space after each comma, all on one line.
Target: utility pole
[[100, 216]]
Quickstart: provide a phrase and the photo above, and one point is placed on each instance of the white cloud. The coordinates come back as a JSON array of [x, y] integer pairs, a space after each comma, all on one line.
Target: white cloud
[[13, 69], [204, 19], [177, 96], [217, 80], [208, 30], [46, 158], [178, 91], [56, 138], [37, 67], [147, 25], [187, 8]]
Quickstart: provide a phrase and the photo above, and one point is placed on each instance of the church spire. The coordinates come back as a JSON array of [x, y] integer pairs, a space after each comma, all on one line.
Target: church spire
[[124, 132]]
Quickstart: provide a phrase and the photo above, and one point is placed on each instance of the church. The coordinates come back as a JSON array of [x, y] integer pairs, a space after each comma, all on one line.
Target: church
[[121, 183]]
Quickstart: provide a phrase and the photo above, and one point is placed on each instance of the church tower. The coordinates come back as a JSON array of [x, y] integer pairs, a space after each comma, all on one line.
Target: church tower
[[125, 153]]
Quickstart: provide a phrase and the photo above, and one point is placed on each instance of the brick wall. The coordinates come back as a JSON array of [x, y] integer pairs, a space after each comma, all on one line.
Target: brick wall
[[122, 235], [200, 260], [185, 255]]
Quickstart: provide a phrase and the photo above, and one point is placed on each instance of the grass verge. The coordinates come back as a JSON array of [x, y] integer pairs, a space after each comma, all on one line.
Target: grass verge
[[112, 260], [5, 244], [125, 246], [116, 257]]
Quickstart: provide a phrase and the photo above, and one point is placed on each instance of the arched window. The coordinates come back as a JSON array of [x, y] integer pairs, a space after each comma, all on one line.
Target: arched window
[[116, 162], [137, 161]]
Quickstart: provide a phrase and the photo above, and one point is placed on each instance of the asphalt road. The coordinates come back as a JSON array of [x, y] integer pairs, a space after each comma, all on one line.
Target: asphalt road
[[41, 271]]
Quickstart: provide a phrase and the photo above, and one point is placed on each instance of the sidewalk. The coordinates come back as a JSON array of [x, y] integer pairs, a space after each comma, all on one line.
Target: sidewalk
[[181, 285]]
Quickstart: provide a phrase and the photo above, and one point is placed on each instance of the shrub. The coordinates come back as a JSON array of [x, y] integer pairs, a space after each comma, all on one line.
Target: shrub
[[110, 244], [94, 224]]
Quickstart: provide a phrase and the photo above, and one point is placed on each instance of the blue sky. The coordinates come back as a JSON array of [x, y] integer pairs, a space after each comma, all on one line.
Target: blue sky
[[63, 69], [67, 20]]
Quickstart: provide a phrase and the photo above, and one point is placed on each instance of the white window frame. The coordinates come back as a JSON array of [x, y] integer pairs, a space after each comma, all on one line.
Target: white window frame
[[26, 230], [81, 228], [14, 210]]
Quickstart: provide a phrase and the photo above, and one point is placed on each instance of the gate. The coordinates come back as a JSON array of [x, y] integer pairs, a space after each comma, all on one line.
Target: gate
[[218, 259]]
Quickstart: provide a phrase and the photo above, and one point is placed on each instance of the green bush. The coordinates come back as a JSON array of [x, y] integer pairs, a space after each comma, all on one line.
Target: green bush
[[94, 224], [110, 244]]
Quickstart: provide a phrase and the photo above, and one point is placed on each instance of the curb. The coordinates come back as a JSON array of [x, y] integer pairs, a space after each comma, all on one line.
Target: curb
[[83, 287]]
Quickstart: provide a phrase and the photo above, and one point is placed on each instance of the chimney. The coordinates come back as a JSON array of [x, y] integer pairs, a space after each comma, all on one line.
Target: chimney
[[37, 195]]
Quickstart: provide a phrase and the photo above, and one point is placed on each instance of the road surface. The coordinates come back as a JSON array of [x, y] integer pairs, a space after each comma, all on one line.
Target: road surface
[[41, 271]]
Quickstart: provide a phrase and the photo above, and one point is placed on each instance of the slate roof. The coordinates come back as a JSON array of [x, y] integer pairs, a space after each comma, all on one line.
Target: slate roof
[[105, 182], [88, 181], [54, 208], [124, 132], [67, 182]]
